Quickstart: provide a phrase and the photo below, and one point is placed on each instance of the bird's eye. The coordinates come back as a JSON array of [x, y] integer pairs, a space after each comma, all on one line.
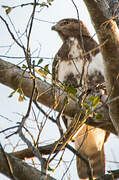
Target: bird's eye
[[64, 23]]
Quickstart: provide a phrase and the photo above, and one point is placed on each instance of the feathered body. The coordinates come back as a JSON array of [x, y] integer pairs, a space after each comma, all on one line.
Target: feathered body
[[80, 57]]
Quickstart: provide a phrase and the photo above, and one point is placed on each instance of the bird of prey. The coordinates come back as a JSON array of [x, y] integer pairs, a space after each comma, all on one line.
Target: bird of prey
[[79, 64]]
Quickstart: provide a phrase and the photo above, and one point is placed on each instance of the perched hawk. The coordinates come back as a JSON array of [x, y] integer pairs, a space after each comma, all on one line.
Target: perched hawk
[[78, 64]]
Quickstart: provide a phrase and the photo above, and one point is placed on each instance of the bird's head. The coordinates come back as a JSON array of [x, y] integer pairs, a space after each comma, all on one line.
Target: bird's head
[[70, 28]]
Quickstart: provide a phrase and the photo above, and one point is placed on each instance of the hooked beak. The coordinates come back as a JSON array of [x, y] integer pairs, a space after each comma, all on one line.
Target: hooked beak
[[56, 28], [53, 28]]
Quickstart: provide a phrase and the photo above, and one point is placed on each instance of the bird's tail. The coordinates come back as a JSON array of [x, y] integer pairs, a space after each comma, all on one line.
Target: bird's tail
[[97, 164]]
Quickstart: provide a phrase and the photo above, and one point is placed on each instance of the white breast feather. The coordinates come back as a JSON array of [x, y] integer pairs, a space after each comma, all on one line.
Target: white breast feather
[[67, 67], [96, 64], [75, 65], [75, 51]]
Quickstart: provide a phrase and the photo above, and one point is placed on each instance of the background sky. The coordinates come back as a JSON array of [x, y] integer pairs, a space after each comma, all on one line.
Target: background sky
[[44, 43]]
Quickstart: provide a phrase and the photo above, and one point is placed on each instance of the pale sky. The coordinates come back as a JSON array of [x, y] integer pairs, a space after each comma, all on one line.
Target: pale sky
[[47, 42]]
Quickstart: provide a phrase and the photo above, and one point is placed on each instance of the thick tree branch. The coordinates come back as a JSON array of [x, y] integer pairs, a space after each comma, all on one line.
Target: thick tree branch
[[20, 169], [48, 149], [107, 31], [27, 153], [114, 174], [13, 77]]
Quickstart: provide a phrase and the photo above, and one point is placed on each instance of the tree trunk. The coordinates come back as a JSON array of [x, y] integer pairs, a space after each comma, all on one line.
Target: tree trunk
[[107, 33]]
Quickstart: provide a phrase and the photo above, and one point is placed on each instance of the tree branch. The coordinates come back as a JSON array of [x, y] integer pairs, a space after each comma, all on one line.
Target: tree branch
[[107, 30], [20, 169], [114, 174], [44, 150], [12, 76], [48, 149]]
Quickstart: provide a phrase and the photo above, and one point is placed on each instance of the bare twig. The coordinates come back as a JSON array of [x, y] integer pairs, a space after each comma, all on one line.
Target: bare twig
[[8, 163], [7, 129], [44, 113], [29, 35], [12, 35], [58, 117], [18, 38], [26, 4]]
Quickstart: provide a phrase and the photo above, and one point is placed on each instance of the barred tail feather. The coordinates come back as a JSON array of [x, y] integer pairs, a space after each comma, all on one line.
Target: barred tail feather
[[97, 164], [90, 143]]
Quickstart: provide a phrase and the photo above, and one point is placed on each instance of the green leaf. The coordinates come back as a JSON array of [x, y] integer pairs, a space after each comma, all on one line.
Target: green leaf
[[66, 101], [40, 61], [43, 4], [5, 7], [90, 99], [46, 70], [41, 71], [50, 169], [96, 101], [71, 90], [12, 93], [24, 66], [49, 1], [98, 116], [8, 10], [87, 107]]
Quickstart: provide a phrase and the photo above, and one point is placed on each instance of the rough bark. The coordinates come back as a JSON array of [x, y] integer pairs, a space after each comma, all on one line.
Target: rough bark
[[107, 31], [27, 153], [114, 9], [11, 76], [21, 170]]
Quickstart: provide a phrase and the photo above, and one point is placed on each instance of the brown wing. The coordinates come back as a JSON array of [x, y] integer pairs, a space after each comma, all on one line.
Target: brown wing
[[61, 54]]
